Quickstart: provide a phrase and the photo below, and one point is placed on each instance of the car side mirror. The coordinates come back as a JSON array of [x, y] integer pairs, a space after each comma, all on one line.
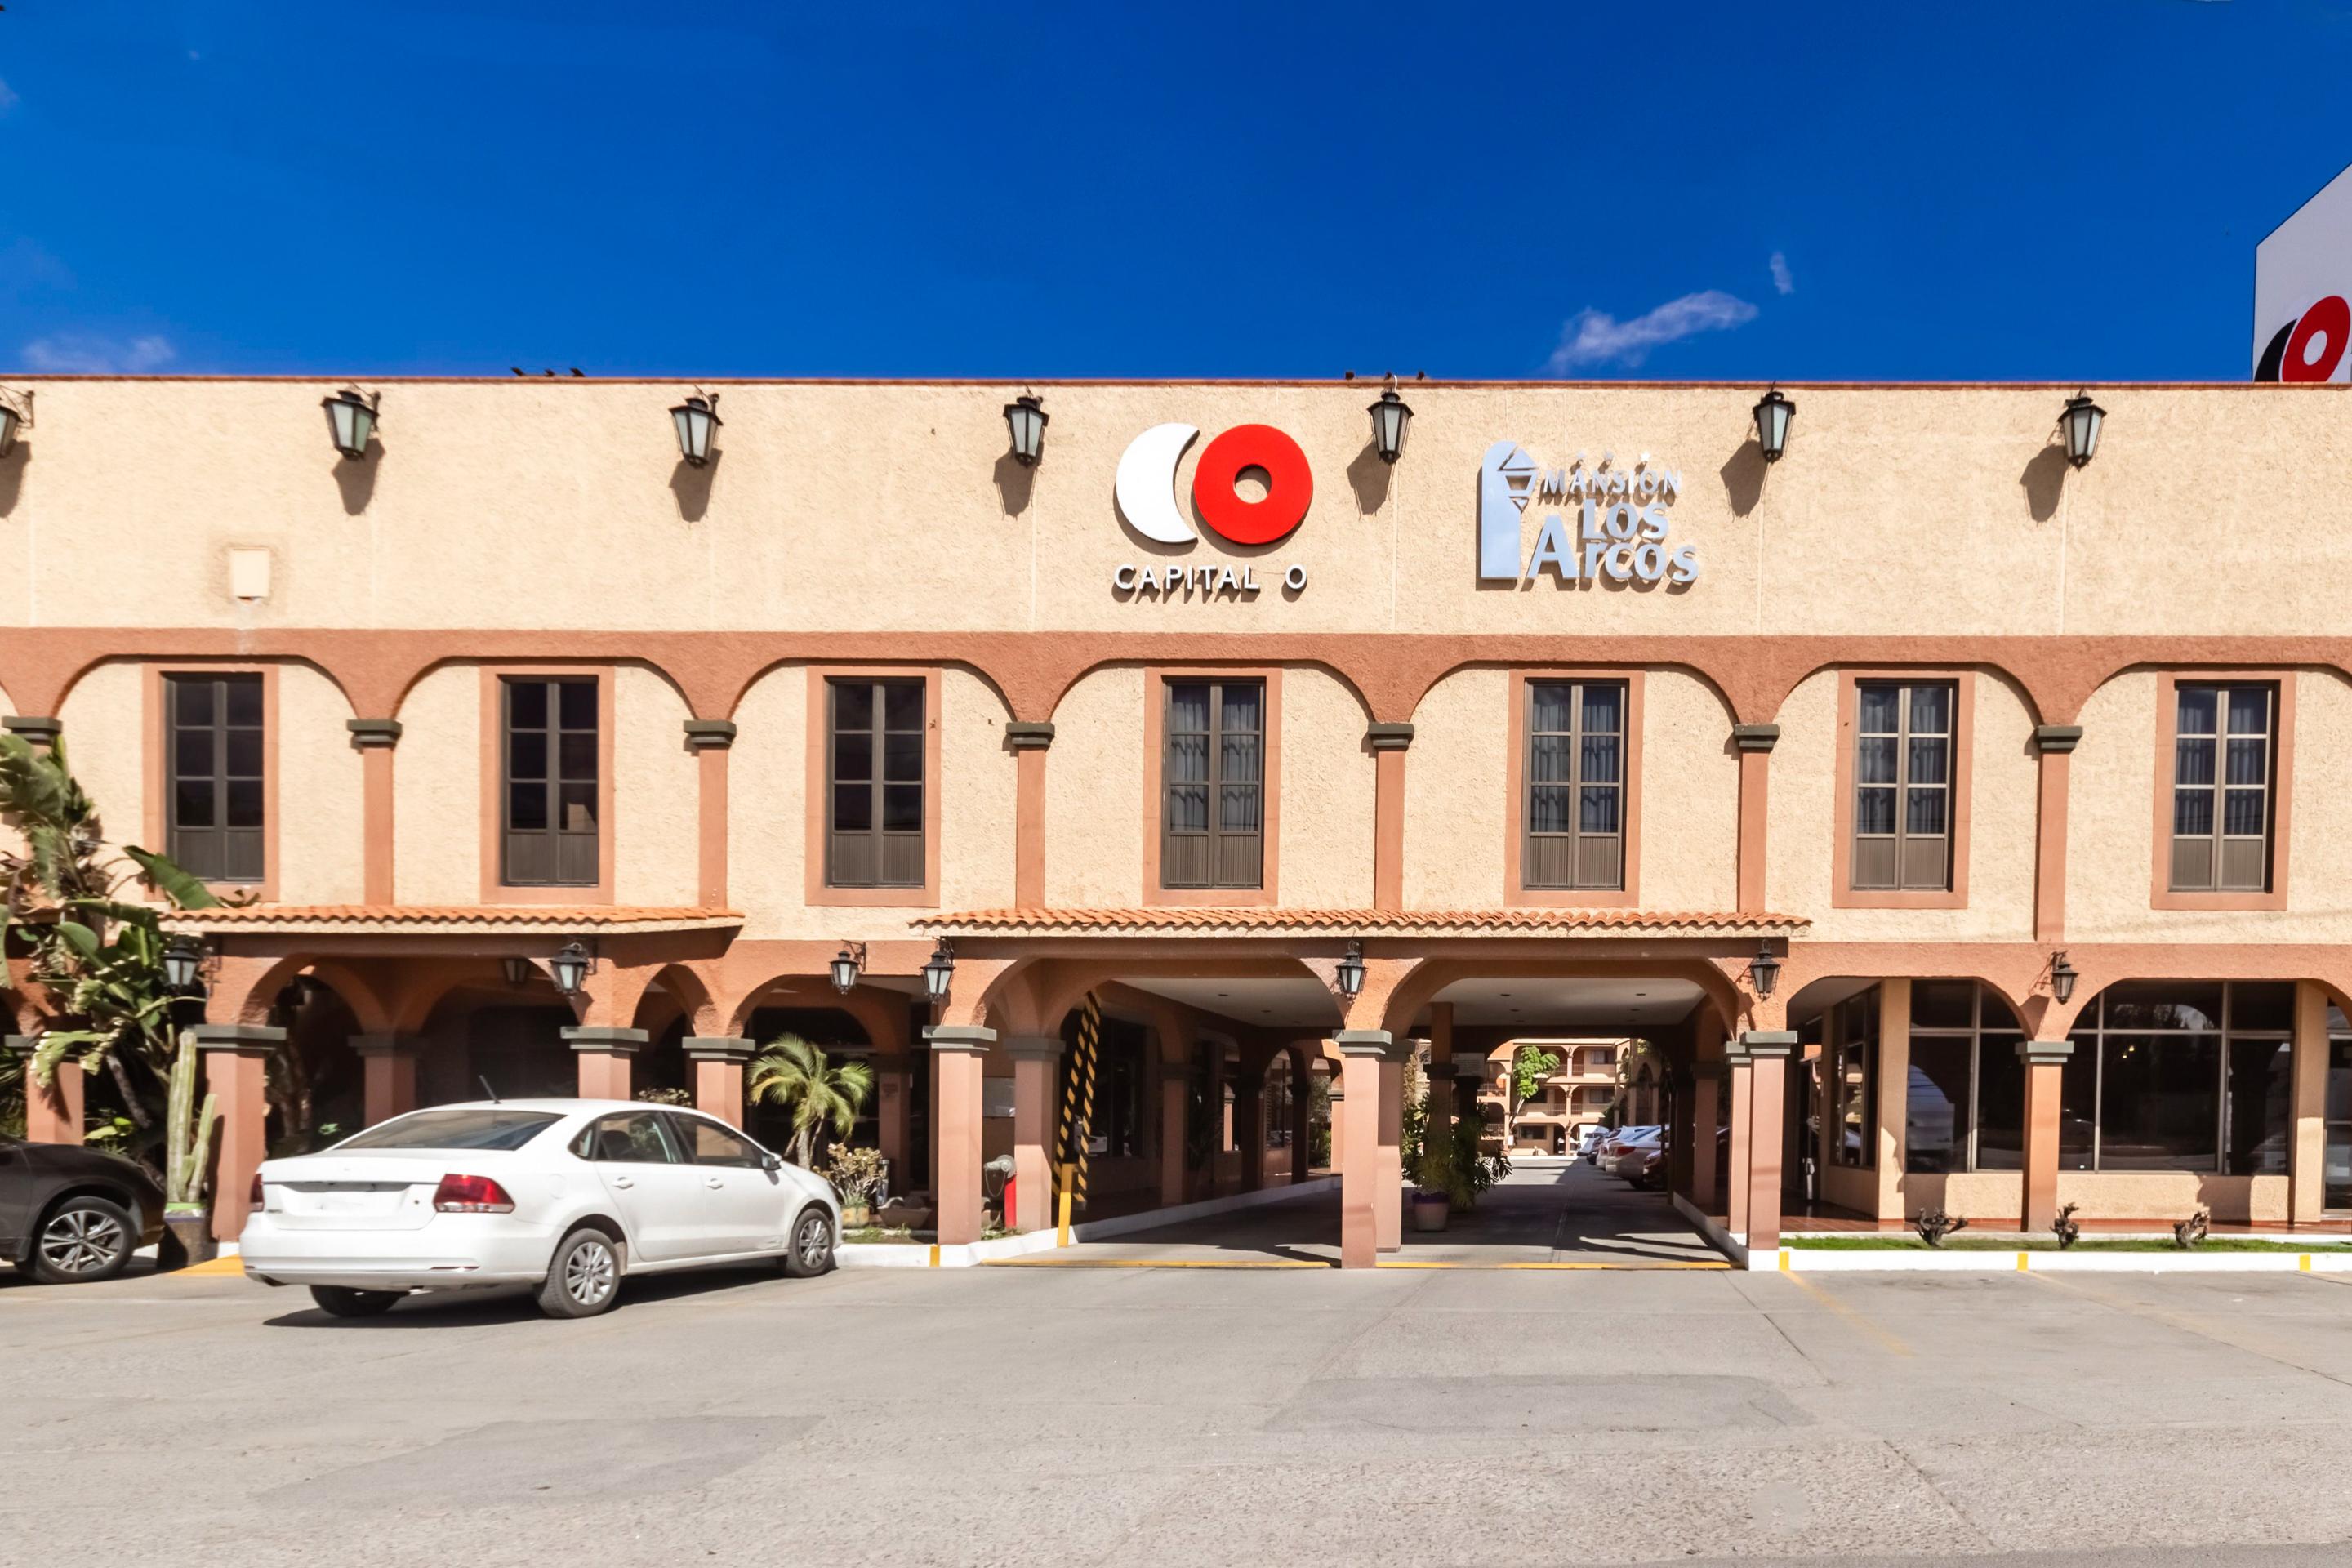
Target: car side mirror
[[771, 1162]]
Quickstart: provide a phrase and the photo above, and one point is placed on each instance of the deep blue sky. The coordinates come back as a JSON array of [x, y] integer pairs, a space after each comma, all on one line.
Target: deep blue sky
[[1983, 190]]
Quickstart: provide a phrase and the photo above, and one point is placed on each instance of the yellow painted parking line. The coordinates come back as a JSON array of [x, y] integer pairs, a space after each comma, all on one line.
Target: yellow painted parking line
[[1892, 1345], [230, 1265]]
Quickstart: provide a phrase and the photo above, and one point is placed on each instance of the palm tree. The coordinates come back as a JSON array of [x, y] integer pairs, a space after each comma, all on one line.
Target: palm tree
[[795, 1075]]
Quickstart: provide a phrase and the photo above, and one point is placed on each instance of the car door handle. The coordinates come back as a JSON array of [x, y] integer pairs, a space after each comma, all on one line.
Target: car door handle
[[623, 1182], [713, 1182]]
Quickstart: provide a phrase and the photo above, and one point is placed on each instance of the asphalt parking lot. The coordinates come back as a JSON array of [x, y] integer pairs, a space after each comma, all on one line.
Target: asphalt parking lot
[[1144, 1416]]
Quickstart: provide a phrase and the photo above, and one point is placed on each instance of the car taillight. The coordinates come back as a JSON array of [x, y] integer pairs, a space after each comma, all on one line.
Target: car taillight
[[470, 1195], [253, 1194]]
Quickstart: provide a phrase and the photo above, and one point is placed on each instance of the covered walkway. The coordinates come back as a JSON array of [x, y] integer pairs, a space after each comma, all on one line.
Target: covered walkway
[[1543, 1215]]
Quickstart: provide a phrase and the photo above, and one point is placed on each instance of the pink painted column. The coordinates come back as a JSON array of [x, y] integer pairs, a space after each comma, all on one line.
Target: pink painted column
[[1034, 1059], [2046, 1062], [1767, 1054], [1388, 1191], [235, 1058], [1742, 1091], [1363, 1061], [957, 1055], [603, 1060], [718, 1063], [1249, 1123], [388, 1075], [894, 1116], [52, 1115], [1174, 1088]]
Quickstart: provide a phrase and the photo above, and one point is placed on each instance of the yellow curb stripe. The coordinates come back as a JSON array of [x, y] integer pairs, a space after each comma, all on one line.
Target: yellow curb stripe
[[230, 1265], [2023, 1267], [2302, 1262], [1785, 1269], [935, 1254]]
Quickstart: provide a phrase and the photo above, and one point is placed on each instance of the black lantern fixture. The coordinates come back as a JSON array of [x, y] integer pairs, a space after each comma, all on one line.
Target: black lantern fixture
[[939, 974], [845, 970], [351, 420], [571, 966], [183, 961], [1026, 418], [1774, 412], [696, 420], [1764, 969], [516, 968], [1390, 416], [1351, 971], [2081, 422], [2062, 978], [16, 413]]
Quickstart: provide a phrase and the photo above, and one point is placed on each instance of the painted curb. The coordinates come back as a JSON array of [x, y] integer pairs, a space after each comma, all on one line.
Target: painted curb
[[1809, 1260], [922, 1255]]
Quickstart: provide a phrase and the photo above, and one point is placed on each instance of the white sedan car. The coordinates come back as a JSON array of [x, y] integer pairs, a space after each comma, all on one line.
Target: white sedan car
[[565, 1194]]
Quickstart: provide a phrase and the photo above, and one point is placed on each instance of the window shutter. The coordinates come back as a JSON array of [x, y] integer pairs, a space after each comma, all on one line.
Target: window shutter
[[1904, 736], [551, 760], [213, 745], [876, 732], [1573, 802], [2224, 740], [1212, 784]]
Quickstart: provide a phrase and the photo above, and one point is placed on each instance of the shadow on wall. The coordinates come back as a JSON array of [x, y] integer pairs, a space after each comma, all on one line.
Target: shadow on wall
[[2043, 480], [12, 475], [1014, 481], [355, 477], [691, 485], [1369, 477], [1743, 477]]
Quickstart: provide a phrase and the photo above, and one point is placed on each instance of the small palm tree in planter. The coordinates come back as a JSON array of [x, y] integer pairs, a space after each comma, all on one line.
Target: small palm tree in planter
[[793, 1074], [101, 960]]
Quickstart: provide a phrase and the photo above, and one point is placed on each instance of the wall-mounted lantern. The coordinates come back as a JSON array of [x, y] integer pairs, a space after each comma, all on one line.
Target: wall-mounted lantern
[[571, 967], [939, 974], [351, 420], [2081, 422], [183, 964], [2063, 976], [1764, 969], [845, 969], [1351, 971], [516, 968], [1774, 412], [1391, 418], [698, 421], [15, 414], [1025, 417]]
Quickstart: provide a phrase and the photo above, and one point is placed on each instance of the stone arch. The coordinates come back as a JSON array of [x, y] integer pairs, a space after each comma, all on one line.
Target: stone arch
[[1414, 989], [880, 1013], [683, 984]]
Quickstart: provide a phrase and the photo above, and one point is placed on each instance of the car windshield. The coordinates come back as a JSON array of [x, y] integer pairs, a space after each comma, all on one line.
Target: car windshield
[[476, 1127]]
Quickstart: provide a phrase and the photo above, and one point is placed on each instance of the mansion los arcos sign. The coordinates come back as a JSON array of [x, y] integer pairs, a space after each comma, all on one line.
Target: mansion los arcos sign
[[1621, 532]]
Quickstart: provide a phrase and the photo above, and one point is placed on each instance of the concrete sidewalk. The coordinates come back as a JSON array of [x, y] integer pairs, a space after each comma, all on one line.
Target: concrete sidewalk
[[1546, 1217]]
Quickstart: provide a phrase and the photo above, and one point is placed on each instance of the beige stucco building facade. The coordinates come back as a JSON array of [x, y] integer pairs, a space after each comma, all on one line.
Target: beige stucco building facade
[[1921, 712]]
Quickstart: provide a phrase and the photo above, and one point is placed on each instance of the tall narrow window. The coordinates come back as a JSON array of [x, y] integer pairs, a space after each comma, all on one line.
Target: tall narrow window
[[552, 782], [1903, 785], [2223, 739], [1575, 785], [874, 836], [1213, 782], [1965, 1099], [214, 791]]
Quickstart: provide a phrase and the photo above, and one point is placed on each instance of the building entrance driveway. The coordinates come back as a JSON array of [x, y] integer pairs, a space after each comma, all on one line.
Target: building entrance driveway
[[1550, 1215]]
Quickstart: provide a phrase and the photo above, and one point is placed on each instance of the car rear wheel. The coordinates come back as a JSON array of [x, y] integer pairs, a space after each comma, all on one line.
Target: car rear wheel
[[810, 1252], [82, 1240], [341, 1301], [586, 1277]]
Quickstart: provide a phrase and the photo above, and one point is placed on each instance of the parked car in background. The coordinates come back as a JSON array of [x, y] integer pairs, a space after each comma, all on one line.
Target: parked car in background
[[1643, 1164], [567, 1196], [1586, 1139], [1625, 1140], [70, 1214]]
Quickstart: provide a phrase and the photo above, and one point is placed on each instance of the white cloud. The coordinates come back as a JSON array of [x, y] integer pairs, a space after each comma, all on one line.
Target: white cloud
[[1595, 337], [8, 98], [84, 354], [1780, 277]]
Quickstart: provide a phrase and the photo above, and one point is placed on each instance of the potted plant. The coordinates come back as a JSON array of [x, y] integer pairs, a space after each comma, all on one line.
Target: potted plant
[[1432, 1195], [857, 1174], [796, 1075]]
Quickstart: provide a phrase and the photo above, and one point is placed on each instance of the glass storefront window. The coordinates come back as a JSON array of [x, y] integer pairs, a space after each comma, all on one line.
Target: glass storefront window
[[1966, 1099], [1936, 1122], [2170, 1076], [2262, 1087], [2158, 1098]]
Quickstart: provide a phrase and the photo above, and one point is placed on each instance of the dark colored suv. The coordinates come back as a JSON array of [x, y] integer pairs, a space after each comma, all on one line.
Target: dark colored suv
[[70, 1214]]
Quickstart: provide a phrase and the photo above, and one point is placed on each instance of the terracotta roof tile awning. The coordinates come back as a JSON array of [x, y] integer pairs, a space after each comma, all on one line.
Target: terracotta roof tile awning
[[1519, 922], [616, 919]]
